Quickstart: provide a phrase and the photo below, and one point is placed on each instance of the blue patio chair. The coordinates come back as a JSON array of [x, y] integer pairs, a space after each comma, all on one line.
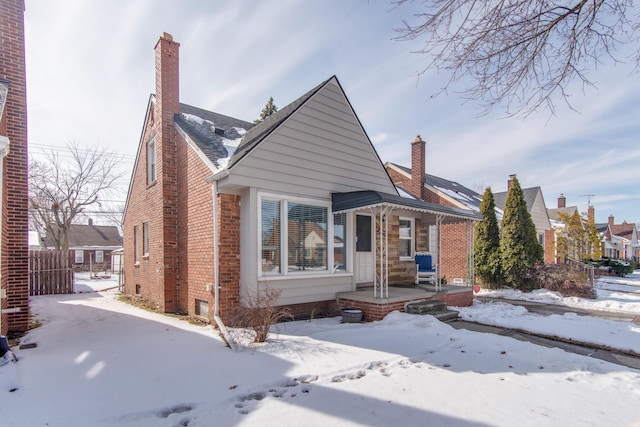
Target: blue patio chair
[[425, 271]]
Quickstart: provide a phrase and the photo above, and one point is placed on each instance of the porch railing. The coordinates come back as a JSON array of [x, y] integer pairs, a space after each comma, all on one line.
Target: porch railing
[[581, 267]]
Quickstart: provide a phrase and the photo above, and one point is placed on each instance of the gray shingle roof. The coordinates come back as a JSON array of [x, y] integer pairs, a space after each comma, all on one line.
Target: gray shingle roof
[[82, 235], [529, 195], [554, 213], [457, 191], [209, 130]]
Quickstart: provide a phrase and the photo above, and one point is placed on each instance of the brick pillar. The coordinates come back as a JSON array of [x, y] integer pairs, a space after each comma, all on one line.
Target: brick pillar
[[418, 166], [229, 255], [167, 105], [15, 230]]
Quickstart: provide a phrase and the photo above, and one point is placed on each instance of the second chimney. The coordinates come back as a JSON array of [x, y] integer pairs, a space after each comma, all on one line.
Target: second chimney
[[418, 166], [562, 201], [510, 182]]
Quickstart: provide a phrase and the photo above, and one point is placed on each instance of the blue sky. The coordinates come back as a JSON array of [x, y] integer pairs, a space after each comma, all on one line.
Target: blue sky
[[90, 70]]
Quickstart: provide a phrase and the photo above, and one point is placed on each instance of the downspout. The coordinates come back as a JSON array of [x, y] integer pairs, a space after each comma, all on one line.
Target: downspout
[[216, 282]]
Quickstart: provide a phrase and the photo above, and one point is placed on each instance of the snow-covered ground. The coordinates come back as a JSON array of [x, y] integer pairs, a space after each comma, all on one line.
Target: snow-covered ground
[[614, 294], [99, 361]]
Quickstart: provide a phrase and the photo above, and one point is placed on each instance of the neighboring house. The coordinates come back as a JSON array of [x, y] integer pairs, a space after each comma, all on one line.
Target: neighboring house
[[456, 239], [219, 209], [539, 214], [623, 241], [91, 245], [562, 210], [14, 229]]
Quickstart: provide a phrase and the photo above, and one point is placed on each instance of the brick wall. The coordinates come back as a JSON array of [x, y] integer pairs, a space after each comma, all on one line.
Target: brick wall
[[195, 231], [15, 251], [453, 251], [376, 311], [454, 240], [229, 254]]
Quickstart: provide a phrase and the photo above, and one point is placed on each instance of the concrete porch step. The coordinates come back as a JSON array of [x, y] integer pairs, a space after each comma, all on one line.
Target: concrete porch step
[[426, 307], [447, 315], [435, 308]]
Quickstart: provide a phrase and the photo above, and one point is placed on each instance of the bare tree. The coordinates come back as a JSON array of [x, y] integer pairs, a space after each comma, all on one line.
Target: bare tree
[[61, 187], [523, 53]]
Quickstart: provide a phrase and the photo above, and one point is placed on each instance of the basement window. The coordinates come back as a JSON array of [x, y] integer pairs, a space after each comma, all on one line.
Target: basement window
[[138, 289], [202, 308]]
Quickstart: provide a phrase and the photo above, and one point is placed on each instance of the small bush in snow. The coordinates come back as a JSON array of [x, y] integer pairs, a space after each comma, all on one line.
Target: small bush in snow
[[568, 283], [259, 311]]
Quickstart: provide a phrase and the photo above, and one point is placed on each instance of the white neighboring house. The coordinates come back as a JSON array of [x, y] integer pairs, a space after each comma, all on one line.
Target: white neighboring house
[[623, 240]]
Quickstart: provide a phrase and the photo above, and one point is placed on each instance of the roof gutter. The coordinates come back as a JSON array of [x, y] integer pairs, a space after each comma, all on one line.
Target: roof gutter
[[216, 282], [218, 176]]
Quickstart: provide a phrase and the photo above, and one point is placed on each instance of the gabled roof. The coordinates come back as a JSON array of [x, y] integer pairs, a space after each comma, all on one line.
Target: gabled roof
[[259, 132], [602, 227], [82, 235], [216, 135], [529, 195], [454, 190], [355, 200], [623, 230], [554, 213]]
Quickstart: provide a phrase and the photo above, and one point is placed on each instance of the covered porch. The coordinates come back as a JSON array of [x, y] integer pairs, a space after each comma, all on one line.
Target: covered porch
[[401, 228]]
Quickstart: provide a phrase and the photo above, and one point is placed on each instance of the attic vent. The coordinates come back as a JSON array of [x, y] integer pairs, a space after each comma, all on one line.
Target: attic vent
[[218, 131]]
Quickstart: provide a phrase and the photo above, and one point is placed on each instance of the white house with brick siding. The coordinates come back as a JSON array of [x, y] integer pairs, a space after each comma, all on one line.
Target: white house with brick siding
[[219, 208]]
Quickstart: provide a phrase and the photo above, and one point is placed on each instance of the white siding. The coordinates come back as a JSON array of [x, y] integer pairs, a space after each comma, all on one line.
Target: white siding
[[320, 149]]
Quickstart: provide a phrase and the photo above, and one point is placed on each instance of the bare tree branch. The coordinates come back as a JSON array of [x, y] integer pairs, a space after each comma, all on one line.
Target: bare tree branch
[[60, 190], [523, 54]]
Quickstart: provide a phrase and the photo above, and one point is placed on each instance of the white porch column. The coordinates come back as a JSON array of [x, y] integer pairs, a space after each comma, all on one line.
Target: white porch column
[[439, 219]]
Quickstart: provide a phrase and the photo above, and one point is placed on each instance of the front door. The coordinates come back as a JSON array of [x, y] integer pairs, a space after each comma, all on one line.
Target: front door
[[364, 252]]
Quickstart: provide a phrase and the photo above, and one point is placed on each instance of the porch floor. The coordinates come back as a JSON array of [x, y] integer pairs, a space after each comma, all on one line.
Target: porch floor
[[375, 308]]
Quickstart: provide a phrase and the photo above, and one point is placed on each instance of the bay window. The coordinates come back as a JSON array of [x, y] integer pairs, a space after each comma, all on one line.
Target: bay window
[[298, 236]]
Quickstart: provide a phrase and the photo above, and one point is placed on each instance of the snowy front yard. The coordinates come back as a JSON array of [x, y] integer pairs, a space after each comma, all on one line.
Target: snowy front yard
[[102, 362]]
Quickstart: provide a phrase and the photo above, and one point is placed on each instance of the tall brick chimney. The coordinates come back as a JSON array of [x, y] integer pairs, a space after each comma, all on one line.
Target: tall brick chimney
[[167, 76], [168, 105], [510, 182], [562, 201], [418, 166], [591, 215], [611, 220]]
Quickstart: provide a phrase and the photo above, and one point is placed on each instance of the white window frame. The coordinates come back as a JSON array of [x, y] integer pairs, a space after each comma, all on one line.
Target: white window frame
[[101, 260], [411, 238], [79, 256], [284, 250], [152, 158]]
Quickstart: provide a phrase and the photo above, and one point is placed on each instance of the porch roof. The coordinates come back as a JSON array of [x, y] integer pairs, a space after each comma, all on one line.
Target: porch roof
[[358, 200]]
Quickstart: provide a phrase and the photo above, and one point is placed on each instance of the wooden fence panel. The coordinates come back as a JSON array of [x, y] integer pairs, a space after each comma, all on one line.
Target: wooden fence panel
[[51, 272]]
